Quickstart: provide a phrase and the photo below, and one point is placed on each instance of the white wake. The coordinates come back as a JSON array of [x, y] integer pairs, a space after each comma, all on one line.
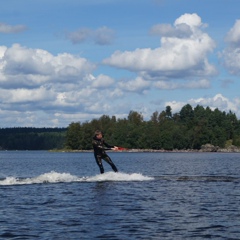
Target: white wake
[[55, 177], [112, 176]]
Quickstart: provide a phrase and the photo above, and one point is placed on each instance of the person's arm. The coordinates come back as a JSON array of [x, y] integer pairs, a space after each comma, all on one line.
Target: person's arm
[[109, 147]]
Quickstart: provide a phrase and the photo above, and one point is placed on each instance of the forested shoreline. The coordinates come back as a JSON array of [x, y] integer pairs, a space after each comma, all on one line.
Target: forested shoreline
[[28, 138], [196, 128]]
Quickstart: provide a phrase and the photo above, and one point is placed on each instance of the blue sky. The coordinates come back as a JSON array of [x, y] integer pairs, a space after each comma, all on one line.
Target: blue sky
[[64, 61]]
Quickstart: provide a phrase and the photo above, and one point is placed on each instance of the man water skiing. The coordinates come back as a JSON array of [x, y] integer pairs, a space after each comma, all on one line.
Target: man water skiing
[[99, 151]]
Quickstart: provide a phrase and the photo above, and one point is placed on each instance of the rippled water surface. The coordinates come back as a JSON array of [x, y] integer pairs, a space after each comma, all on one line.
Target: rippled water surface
[[48, 195]]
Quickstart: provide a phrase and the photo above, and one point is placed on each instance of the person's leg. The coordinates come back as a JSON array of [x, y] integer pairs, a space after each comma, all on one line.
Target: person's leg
[[99, 163], [110, 162]]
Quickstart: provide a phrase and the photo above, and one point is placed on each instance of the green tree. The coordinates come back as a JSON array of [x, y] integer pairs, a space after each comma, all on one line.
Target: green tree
[[135, 117], [73, 136], [168, 112], [154, 117], [187, 115]]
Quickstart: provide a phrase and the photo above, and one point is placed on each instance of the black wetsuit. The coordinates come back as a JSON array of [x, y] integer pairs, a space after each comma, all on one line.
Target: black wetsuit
[[99, 153]]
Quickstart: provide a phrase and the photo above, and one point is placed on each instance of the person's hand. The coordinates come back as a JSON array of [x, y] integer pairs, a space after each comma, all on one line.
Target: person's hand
[[115, 148]]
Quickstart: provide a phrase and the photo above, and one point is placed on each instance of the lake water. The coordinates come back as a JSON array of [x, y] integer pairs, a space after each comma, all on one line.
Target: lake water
[[173, 196]]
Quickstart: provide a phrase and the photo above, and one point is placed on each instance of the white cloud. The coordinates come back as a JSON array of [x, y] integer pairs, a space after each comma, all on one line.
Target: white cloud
[[202, 84], [33, 67], [166, 85], [176, 106], [79, 36], [137, 85], [185, 26], [116, 93], [231, 60], [230, 56], [102, 81], [192, 20], [167, 30], [5, 28], [25, 95], [35, 81], [99, 107], [218, 101], [183, 53], [42, 89], [2, 51], [233, 36], [104, 36], [100, 36]]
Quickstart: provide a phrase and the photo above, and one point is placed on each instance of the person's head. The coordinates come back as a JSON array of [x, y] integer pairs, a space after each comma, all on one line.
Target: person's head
[[98, 134]]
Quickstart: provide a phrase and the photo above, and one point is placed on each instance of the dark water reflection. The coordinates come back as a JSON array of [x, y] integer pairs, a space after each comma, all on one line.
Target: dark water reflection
[[192, 196]]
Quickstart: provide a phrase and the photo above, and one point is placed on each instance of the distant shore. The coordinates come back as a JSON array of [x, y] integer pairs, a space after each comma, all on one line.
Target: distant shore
[[204, 148]]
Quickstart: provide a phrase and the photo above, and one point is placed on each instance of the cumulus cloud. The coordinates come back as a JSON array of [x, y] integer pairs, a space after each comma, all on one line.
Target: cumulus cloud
[[100, 36], [37, 87], [170, 85], [183, 52], [35, 80], [233, 36], [230, 56], [22, 95], [32, 67], [136, 85], [175, 105], [167, 30], [218, 101], [102, 81], [5, 28], [52, 90]]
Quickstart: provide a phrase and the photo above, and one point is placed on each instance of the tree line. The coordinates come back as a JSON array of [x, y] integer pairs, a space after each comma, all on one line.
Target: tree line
[[190, 128], [28, 138]]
